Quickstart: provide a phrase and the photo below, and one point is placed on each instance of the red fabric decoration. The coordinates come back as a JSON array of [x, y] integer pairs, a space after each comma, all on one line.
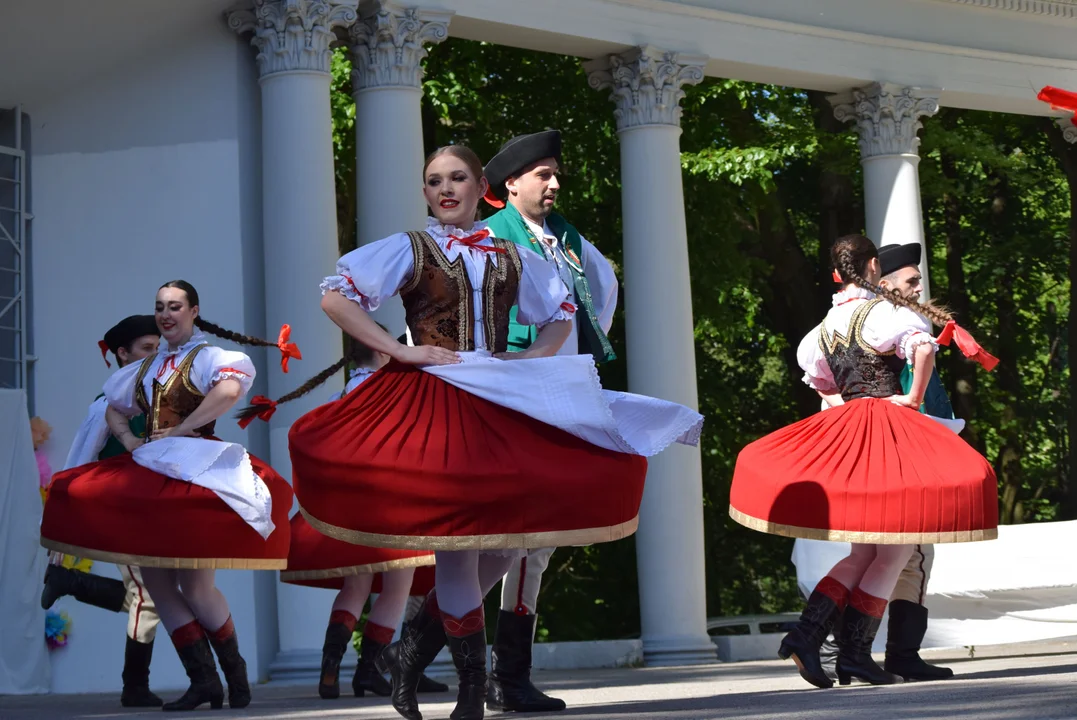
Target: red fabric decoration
[[270, 406], [967, 345], [221, 634], [837, 277], [378, 633], [469, 624], [187, 635], [1059, 100], [492, 199], [310, 550], [472, 242], [343, 617], [568, 307], [287, 349], [120, 507], [834, 590], [104, 352], [867, 604], [422, 457], [867, 466]]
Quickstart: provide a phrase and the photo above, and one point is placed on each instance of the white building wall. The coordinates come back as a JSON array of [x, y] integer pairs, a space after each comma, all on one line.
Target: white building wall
[[147, 173]]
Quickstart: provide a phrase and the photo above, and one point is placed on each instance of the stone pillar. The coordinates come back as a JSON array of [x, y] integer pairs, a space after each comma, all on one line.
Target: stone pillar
[[645, 85], [887, 119], [293, 38], [388, 45]]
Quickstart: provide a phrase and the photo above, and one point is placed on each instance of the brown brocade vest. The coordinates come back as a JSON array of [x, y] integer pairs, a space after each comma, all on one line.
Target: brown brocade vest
[[174, 400], [438, 298], [860, 371]]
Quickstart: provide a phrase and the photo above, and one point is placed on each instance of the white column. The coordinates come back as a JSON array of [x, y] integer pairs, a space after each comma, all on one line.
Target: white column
[[388, 45], [300, 233], [646, 88], [887, 119]]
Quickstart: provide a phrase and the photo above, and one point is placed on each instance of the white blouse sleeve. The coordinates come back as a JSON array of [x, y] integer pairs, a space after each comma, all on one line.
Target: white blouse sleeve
[[214, 364], [890, 327], [542, 297], [812, 361], [374, 272], [120, 389], [603, 283]]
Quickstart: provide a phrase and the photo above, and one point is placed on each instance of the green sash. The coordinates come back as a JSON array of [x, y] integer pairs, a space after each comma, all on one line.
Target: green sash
[[508, 224], [936, 401], [114, 447]]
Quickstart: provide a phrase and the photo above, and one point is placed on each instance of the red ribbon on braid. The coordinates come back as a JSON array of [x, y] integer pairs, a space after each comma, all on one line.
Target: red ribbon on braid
[[104, 352], [472, 242], [260, 401], [967, 345], [287, 349], [1059, 99], [837, 277], [492, 199]]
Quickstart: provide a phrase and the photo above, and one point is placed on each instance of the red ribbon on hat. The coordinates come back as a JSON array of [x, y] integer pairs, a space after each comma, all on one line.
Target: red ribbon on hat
[[472, 242], [104, 352], [287, 349], [967, 345], [493, 199], [837, 277], [260, 401]]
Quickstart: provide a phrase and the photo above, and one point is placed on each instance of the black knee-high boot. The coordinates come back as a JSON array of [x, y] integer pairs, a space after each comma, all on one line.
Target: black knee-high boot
[[405, 660], [803, 642], [194, 651], [225, 642]]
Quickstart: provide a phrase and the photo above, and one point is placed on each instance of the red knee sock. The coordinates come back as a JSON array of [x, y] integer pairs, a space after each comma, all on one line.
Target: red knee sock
[[867, 604], [834, 590], [469, 624], [378, 633], [223, 633], [188, 635], [343, 617]]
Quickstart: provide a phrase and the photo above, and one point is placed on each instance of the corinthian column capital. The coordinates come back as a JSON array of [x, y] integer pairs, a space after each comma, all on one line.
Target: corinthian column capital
[[887, 116], [389, 43], [292, 35], [646, 84]]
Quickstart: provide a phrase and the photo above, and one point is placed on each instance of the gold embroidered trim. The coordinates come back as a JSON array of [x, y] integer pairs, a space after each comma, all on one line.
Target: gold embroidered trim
[[856, 325], [506, 541], [182, 371], [869, 538], [169, 563], [490, 282], [343, 572], [455, 270]]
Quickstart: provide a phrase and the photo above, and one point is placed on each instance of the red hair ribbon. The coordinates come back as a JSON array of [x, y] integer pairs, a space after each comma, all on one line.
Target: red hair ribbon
[[104, 352], [472, 242], [263, 402], [1059, 100], [287, 349], [967, 345], [837, 277], [493, 199]]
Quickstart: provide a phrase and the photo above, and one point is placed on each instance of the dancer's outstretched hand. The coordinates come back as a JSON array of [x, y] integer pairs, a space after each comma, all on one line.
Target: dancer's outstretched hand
[[905, 401], [427, 355]]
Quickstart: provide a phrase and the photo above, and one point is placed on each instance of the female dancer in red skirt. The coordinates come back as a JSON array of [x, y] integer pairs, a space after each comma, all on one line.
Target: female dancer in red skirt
[[871, 470], [459, 447], [318, 560], [184, 503]]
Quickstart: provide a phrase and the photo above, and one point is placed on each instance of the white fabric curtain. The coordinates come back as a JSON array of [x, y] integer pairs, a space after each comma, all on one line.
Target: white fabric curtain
[[24, 657]]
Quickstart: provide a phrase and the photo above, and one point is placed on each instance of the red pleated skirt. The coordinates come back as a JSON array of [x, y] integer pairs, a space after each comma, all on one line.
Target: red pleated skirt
[[407, 460], [318, 560], [868, 471], [118, 511]]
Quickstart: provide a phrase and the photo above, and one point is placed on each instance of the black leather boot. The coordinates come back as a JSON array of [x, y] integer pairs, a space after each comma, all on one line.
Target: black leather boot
[[96, 590], [828, 657], [337, 637], [233, 665], [905, 632], [367, 678], [430, 685], [469, 657], [136, 676], [405, 660], [803, 643], [856, 633], [197, 660], [510, 687]]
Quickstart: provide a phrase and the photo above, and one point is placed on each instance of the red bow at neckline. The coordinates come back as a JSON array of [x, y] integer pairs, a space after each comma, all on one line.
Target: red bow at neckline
[[472, 242], [260, 401], [287, 349], [492, 199], [967, 345], [104, 352]]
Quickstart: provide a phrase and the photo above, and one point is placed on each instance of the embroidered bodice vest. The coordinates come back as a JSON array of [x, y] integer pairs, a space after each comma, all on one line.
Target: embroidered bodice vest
[[174, 400], [860, 370], [438, 299]]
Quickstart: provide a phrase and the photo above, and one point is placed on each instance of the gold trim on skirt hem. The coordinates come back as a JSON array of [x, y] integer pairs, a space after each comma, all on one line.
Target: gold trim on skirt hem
[[343, 572], [168, 563], [505, 541], [866, 538]]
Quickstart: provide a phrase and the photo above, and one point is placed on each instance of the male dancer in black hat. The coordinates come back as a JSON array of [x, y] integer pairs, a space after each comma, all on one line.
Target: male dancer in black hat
[[131, 340], [523, 181]]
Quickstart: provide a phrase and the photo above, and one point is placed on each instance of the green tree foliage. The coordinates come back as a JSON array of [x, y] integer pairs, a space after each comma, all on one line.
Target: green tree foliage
[[770, 179]]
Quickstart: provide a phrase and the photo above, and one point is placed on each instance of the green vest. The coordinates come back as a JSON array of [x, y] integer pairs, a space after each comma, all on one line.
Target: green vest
[[936, 402], [114, 447], [508, 224]]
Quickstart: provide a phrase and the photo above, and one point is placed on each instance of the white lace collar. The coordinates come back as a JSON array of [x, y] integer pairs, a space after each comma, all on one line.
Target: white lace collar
[[444, 232], [197, 338], [359, 372], [853, 293]]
